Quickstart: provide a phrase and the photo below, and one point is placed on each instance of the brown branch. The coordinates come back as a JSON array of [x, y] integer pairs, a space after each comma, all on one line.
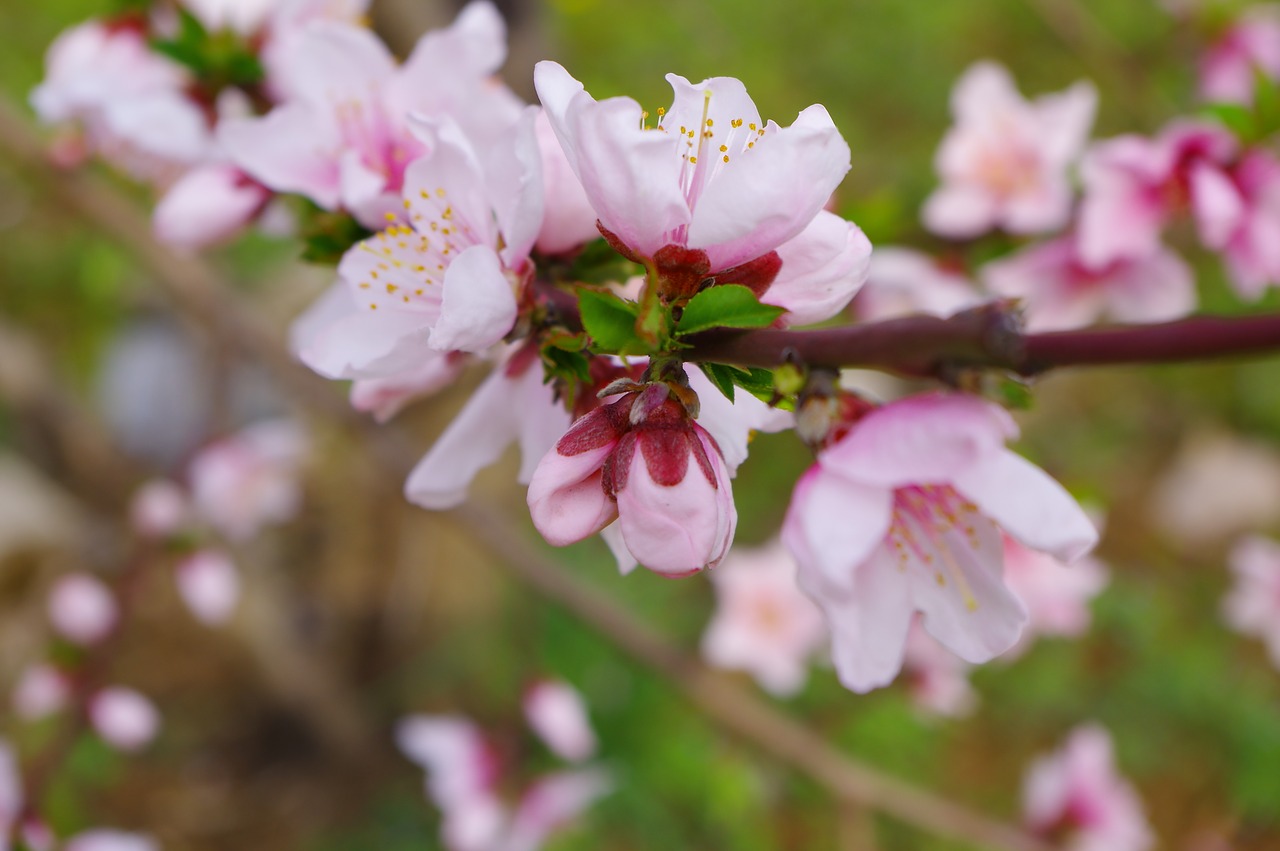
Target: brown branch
[[988, 336], [195, 289]]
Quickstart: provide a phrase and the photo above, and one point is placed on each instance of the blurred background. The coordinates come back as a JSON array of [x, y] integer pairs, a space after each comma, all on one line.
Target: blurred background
[[276, 728]]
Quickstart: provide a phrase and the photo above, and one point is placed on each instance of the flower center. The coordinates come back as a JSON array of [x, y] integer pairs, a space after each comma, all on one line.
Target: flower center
[[929, 523]]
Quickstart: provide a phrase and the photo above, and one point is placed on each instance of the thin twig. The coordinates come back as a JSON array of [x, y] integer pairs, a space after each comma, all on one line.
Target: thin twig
[[195, 289]]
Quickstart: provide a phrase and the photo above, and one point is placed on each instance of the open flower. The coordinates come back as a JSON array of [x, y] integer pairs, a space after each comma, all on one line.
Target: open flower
[[1004, 162], [643, 461], [1077, 796], [903, 514], [250, 479], [342, 138], [709, 189], [1060, 291], [1229, 69]]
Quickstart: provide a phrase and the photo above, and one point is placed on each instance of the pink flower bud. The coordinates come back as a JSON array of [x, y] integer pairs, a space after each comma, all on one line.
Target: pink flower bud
[[159, 509], [124, 718], [82, 609], [210, 585], [555, 712], [40, 691]]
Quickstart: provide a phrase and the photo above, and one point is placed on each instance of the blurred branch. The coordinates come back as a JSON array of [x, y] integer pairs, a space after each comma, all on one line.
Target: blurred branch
[[197, 291], [989, 337]]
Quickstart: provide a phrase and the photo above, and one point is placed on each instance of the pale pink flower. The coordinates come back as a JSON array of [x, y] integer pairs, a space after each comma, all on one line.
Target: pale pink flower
[[903, 281], [128, 100], [1229, 69], [250, 479], [105, 839], [447, 279], [1241, 218], [124, 718], [642, 460], [82, 609], [461, 775], [40, 691], [570, 220], [763, 624], [1059, 291], [208, 205], [159, 509], [556, 712], [1004, 162], [512, 405], [709, 189], [937, 679], [1056, 595], [209, 584], [552, 802], [1253, 604], [342, 139], [1134, 185], [1076, 795], [903, 514]]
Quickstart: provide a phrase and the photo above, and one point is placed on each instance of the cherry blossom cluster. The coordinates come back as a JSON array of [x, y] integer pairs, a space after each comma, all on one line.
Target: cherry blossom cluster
[[464, 773]]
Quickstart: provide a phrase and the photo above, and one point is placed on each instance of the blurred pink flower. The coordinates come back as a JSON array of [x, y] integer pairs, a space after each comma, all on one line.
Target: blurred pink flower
[[159, 509], [250, 479], [557, 713], [1134, 185], [1076, 795], [1229, 69], [642, 460], [104, 839], [341, 138], [208, 205], [1253, 604], [82, 609], [551, 803], [1060, 291], [711, 189], [903, 281], [124, 718], [1243, 221], [209, 584], [937, 679], [1056, 595], [461, 776], [40, 691], [1004, 162], [763, 624], [903, 514]]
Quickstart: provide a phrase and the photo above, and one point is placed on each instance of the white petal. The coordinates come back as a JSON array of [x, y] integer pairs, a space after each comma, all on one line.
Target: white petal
[[479, 307]]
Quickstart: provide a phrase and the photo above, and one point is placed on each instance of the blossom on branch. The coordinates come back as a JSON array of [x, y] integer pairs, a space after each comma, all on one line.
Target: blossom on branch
[[1004, 162], [902, 514]]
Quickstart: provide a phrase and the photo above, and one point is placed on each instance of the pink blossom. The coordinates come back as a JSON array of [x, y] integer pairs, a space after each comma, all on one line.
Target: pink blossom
[[1133, 186], [1056, 595], [206, 206], [1077, 795], [551, 803], [82, 609], [903, 513], [556, 712], [209, 584], [1060, 291], [902, 281], [1004, 162], [461, 775], [570, 220], [1229, 69], [128, 100], [104, 839], [513, 405], [342, 139], [159, 509], [709, 189], [1241, 218], [642, 460], [124, 718], [937, 679], [249, 479], [40, 691], [763, 624], [1253, 604]]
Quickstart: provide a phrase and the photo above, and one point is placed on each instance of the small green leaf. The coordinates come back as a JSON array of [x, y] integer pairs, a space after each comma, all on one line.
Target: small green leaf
[[726, 306], [598, 263], [609, 320], [1238, 119], [721, 376], [1015, 394]]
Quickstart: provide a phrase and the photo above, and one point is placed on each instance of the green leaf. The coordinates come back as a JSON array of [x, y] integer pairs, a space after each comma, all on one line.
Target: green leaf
[[726, 306], [721, 376], [609, 320], [1266, 100], [757, 382], [598, 263], [1238, 119]]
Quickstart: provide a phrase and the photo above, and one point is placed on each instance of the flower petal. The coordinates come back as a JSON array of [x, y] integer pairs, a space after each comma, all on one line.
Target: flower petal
[[833, 524], [822, 269], [479, 307]]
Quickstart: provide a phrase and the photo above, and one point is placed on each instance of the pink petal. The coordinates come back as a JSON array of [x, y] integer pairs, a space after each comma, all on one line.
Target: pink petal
[[569, 219], [822, 269], [333, 62], [834, 524], [82, 608], [124, 718], [957, 211], [210, 585], [292, 149], [553, 802], [206, 206], [103, 839], [566, 496], [478, 307], [1217, 205], [557, 713]]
